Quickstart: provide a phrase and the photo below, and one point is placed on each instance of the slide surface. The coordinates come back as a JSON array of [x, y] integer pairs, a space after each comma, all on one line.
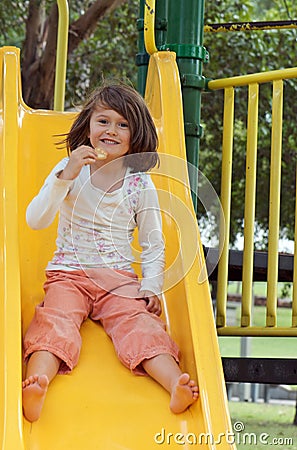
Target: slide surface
[[101, 405]]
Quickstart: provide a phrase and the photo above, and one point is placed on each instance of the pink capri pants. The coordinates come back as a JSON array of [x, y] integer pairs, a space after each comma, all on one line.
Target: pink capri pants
[[104, 295]]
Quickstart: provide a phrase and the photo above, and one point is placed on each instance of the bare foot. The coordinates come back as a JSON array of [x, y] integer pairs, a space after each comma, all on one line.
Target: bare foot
[[184, 393], [34, 392]]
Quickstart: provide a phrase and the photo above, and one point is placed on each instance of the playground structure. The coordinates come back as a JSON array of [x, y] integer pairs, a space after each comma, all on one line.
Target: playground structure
[[132, 411], [249, 265], [276, 78], [101, 405]]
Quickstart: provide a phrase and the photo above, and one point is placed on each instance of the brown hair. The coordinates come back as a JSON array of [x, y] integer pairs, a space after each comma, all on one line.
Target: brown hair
[[127, 102]]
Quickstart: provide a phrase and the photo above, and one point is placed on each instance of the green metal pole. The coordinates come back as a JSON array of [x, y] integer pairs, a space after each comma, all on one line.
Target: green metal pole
[[185, 38], [179, 28], [161, 21], [142, 58]]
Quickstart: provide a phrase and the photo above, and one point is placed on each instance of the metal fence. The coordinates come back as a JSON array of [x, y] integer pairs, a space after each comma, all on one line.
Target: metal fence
[[229, 85]]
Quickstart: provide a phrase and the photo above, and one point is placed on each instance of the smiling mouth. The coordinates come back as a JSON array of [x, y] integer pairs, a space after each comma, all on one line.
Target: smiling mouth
[[108, 142]]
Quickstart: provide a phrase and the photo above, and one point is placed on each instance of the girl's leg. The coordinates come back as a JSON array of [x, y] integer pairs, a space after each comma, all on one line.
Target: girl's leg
[[135, 332], [164, 369], [57, 321], [42, 367]]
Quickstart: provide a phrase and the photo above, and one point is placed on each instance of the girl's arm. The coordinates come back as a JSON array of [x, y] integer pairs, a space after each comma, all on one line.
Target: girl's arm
[[44, 207], [150, 237]]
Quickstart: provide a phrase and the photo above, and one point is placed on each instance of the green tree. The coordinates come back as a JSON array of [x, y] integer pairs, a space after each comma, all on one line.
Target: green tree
[[102, 39], [103, 42], [109, 52]]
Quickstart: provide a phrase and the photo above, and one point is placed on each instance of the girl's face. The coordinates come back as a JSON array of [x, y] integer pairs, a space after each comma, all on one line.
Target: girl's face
[[109, 131]]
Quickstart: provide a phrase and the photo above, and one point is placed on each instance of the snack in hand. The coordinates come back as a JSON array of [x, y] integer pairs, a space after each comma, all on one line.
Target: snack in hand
[[101, 154]]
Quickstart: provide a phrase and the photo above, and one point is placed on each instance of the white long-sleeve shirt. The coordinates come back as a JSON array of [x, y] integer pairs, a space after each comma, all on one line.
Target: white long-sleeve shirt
[[96, 228]]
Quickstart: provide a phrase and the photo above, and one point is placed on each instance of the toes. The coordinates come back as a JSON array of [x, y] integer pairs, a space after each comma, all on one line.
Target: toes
[[184, 379], [43, 381], [26, 382], [30, 380]]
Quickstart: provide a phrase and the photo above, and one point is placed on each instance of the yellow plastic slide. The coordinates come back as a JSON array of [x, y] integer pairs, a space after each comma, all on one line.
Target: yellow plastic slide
[[101, 405]]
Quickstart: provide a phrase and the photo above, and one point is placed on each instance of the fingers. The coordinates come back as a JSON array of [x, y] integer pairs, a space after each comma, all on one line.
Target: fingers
[[154, 305], [84, 155], [78, 158], [153, 302]]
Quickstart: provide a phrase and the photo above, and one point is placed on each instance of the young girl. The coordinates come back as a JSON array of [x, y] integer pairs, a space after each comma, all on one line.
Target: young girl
[[102, 196]]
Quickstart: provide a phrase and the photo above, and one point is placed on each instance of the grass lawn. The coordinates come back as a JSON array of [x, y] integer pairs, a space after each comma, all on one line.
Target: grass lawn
[[265, 347], [268, 347], [260, 288], [263, 426], [258, 347]]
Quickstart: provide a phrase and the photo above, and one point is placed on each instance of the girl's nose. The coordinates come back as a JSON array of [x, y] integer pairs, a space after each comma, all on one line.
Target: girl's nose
[[111, 129]]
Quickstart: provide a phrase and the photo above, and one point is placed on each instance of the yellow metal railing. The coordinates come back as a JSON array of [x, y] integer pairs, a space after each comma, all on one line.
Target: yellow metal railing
[[149, 26], [226, 177], [294, 301], [228, 85], [61, 58], [249, 212]]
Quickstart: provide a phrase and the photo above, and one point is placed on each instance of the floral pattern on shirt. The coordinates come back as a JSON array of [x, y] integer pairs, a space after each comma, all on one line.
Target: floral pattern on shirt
[[93, 241], [100, 251], [137, 182]]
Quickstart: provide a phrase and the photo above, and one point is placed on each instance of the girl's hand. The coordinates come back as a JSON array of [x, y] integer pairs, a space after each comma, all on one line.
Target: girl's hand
[[80, 157], [153, 302]]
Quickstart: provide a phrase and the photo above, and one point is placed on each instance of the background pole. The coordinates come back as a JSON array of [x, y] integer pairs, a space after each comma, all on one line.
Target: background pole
[[179, 28], [185, 38], [142, 58]]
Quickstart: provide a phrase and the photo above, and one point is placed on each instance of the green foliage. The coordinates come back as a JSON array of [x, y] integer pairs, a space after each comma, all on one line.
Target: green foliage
[[12, 26], [109, 52]]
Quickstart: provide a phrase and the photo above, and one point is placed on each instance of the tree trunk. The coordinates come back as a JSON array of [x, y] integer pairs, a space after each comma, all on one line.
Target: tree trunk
[[86, 24], [38, 73], [39, 50]]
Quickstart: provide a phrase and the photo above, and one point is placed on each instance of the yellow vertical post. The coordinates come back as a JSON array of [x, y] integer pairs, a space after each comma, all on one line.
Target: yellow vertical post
[[250, 201], [294, 302], [226, 204], [274, 202], [149, 26], [11, 340]]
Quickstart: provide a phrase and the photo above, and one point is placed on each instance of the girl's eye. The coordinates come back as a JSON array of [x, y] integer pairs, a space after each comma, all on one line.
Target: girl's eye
[[123, 125], [102, 121]]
